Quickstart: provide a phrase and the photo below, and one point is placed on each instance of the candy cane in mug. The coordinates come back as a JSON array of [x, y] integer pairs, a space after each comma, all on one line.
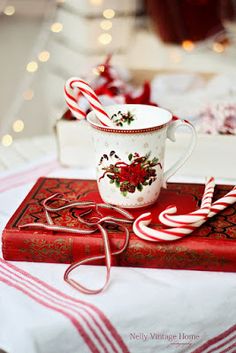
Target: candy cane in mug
[[90, 95]]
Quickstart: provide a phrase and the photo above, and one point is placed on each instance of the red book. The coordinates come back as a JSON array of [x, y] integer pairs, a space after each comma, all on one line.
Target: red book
[[212, 247]]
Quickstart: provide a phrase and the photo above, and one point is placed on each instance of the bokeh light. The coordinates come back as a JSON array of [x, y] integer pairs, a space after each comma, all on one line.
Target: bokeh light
[[9, 10], [108, 13], [105, 38], [218, 47], [106, 25], [44, 56], [18, 126], [96, 2], [32, 66], [188, 45], [56, 27], [7, 140]]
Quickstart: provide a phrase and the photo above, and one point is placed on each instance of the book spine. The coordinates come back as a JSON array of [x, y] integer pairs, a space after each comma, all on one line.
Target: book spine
[[190, 254]]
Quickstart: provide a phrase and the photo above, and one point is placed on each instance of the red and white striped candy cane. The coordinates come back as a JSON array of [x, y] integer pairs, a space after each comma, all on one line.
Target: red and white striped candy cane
[[90, 95], [141, 229], [223, 202], [168, 217], [170, 220]]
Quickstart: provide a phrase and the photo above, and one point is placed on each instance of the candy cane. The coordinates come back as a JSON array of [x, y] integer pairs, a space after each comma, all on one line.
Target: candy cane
[[223, 202], [141, 230], [168, 218], [90, 95]]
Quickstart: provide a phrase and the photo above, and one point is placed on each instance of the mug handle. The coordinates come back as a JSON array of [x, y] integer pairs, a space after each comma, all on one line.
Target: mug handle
[[175, 124]]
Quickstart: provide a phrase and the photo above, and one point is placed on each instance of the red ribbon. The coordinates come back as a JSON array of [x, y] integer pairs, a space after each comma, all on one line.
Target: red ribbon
[[97, 223]]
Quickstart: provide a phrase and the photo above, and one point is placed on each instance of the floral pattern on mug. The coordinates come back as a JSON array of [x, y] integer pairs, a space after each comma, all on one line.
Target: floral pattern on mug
[[139, 173], [122, 118]]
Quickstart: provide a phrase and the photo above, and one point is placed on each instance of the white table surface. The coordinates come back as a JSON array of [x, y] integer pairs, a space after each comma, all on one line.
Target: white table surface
[[138, 302]]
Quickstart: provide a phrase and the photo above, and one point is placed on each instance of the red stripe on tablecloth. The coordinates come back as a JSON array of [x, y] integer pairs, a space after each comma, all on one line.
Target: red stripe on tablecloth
[[47, 305], [26, 176], [68, 306], [53, 302], [222, 344], [21, 173], [111, 329], [107, 323], [229, 349], [215, 340]]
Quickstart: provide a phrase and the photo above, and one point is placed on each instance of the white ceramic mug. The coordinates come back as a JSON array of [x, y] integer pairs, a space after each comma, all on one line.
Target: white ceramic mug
[[130, 156]]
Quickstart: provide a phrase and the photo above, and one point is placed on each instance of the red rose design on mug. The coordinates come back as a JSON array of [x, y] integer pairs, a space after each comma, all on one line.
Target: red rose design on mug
[[130, 177]]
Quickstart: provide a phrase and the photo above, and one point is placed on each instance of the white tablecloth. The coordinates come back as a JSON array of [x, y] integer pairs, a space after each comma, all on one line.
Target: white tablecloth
[[142, 310]]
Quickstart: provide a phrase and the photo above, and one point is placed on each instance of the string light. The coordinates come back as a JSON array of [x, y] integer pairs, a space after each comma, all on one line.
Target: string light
[[28, 95], [106, 25], [218, 47], [18, 126], [44, 56], [108, 13], [32, 66], [188, 45], [23, 92], [56, 27], [105, 38], [9, 10], [7, 140]]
